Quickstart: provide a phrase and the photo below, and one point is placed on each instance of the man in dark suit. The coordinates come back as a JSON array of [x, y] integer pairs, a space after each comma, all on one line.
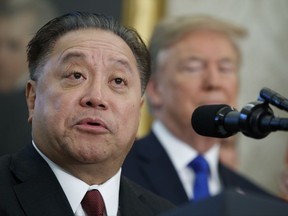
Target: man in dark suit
[[195, 61], [88, 76], [149, 165]]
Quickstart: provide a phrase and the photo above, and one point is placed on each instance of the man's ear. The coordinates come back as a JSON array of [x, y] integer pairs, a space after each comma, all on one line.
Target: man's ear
[[152, 92], [30, 98]]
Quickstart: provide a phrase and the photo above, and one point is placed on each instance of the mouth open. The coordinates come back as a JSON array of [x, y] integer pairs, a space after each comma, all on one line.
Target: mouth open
[[92, 125]]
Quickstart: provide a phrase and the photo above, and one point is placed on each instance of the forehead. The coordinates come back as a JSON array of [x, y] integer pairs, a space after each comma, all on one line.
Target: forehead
[[207, 39], [213, 43], [201, 43], [91, 40]]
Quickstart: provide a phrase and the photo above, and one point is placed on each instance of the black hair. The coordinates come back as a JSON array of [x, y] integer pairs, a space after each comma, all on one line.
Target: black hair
[[44, 40]]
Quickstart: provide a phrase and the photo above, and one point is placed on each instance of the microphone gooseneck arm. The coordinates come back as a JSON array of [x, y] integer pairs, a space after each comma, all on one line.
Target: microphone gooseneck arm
[[273, 98]]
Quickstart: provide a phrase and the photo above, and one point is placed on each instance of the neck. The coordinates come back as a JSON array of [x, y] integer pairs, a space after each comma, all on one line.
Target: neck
[[200, 143], [92, 174]]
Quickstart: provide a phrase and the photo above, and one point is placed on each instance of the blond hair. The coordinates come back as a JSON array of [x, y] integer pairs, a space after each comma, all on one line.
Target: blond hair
[[170, 30]]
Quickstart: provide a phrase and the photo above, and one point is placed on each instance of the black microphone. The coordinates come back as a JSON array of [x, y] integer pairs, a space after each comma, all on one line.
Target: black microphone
[[255, 120], [274, 98], [210, 120]]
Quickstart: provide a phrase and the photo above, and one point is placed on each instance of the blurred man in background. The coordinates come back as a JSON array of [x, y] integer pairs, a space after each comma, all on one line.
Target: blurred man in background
[[195, 61], [19, 20]]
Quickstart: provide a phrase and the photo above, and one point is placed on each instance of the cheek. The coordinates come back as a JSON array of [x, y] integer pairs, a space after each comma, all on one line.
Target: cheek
[[127, 121], [54, 107], [178, 100], [129, 117], [232, 91], [185, 96], [232, 87], [182, 90]]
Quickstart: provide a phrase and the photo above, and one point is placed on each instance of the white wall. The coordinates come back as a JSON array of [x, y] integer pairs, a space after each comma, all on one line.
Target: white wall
[[265, 65]]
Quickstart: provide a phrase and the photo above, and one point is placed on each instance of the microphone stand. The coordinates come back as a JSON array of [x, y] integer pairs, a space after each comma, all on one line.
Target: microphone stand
[[257, 119]]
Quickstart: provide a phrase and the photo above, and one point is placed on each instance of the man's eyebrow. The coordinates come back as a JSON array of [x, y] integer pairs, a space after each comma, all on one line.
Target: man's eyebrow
[[72, 55], [228, 60], [124, 63], [193, 58]]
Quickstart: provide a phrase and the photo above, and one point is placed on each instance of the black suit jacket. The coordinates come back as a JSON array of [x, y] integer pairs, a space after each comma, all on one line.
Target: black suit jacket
[[149, 165], [15, 131], [29, 187]]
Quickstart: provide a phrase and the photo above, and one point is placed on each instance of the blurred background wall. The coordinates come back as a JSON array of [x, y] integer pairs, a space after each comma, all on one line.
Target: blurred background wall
[[108, 7]]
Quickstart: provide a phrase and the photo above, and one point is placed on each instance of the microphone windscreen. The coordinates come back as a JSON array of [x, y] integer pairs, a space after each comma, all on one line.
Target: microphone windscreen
[[204, 120]]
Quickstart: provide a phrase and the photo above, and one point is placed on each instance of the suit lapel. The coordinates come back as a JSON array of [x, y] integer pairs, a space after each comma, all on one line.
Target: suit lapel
[[130, 203], [160, 171], [38, 190]]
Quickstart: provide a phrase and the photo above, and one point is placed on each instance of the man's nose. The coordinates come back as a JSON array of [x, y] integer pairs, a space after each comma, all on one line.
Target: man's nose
[[212, 76], [94, 96]]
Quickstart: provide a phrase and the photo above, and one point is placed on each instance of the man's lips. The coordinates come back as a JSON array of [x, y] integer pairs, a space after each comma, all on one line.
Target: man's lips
[[212, 102], [215, 100], [91, 124]]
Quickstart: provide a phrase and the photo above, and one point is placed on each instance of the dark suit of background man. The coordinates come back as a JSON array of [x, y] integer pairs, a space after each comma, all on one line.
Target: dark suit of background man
[[88, 76], [195, 61]]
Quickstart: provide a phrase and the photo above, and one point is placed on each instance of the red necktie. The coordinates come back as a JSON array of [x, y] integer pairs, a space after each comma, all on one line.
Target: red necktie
[[93, 203]]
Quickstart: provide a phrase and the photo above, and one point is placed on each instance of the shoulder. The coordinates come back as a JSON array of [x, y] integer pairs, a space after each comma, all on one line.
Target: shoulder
[[5, 162], [145, 147], [234, 180], [7, 183], [143, 198], [143, 152]]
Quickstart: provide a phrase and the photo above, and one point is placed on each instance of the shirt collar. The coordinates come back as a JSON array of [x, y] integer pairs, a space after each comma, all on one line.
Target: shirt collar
[[180, 153], [75, 189]]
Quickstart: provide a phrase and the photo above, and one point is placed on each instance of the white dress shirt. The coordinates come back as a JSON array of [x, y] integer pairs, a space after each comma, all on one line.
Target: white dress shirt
[[75, 189], [181, 154]]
